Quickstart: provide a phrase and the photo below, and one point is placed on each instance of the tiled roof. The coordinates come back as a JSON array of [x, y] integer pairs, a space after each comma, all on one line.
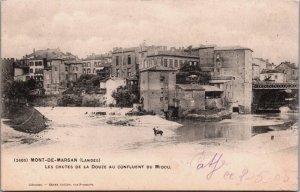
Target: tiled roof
[[51, 54], [271, 71], [228, 48], [290, 65]]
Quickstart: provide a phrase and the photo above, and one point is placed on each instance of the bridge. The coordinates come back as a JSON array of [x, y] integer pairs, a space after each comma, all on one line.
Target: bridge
[[270, 96], [272, 85]]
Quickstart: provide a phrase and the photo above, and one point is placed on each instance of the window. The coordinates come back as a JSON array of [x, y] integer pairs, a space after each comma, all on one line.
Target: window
[[76, 68], [36, 63], [162, 78], [73, 68], [83, 64], [66, 68], [166, 98], [94, 70], [31, 63], [176, 63], [95, 63], [128, 59], [275, 76], [31, 70], [161, 99], [117, 60], [89, 64], [166, 62], [55, 68], [88, 71], [171, 63], [40, 63], [181, 63], [84, 71], [129, 72], [117, 73]]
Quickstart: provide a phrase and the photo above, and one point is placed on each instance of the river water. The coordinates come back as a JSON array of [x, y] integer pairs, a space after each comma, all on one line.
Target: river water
[[240, 127], [72, 132]]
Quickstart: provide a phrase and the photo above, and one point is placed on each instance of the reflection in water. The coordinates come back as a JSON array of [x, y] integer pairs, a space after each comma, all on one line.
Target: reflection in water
[[241, 127]]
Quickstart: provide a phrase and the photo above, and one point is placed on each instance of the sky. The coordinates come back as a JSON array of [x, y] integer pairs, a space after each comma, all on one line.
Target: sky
[[83, 27]]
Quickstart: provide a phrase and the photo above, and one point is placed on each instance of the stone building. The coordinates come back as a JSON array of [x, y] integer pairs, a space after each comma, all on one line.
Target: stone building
[[95, 62], [145, 50], [157, 89], [273, 75], [173, 59], [125, 62], [74, 69], [236, 62], [290, 69], [229, 63]]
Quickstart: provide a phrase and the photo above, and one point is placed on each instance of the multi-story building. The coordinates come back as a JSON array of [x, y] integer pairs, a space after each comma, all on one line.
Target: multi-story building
[[125, 62], [157, 88], [94, 63], [36, 67], [145, 50], [205, 54], [74, 69], [173, 59], [290, 69], [236, 62], [47, 67]]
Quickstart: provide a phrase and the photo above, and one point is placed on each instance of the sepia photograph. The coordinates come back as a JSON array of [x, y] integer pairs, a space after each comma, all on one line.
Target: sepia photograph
[[149, 95]]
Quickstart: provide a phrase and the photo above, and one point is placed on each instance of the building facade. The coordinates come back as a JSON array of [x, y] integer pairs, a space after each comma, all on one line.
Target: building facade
[[93, 63], [169, 59], [157, 89], [236, 62], [290, 69], [125, 62], [273, 75]]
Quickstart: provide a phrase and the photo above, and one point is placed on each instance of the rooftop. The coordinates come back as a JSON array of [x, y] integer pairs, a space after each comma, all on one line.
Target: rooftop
[[288, 64], [176, 53], [206, 88], [264, 71], [229, 48], [50, 54], [98, 56], [121, 50], [158, 68]]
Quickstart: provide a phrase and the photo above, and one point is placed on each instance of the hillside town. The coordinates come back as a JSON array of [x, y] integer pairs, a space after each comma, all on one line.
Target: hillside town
[[171, 81]]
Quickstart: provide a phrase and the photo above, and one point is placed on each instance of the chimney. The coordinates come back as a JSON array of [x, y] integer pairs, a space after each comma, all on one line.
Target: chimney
[[34, 53]]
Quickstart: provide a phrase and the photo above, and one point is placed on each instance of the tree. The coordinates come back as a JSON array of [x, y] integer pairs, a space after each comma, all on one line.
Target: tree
[[124, 96]]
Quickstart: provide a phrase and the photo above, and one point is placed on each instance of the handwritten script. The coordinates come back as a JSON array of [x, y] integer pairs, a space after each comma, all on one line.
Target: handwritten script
[[217, 163]]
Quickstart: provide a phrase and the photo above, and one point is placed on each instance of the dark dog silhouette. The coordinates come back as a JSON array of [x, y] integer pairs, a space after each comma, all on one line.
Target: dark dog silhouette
[[157, 131]]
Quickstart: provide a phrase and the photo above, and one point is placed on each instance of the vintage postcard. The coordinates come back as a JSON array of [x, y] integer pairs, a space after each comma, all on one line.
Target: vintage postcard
[[149, 95]]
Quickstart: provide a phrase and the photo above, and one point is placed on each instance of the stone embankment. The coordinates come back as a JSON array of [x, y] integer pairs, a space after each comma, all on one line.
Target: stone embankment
[[25, 119]]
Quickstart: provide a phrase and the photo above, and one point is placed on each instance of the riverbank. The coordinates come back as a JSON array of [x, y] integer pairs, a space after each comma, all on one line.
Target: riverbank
[[208, 116], [25, 119], [79, 134]]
